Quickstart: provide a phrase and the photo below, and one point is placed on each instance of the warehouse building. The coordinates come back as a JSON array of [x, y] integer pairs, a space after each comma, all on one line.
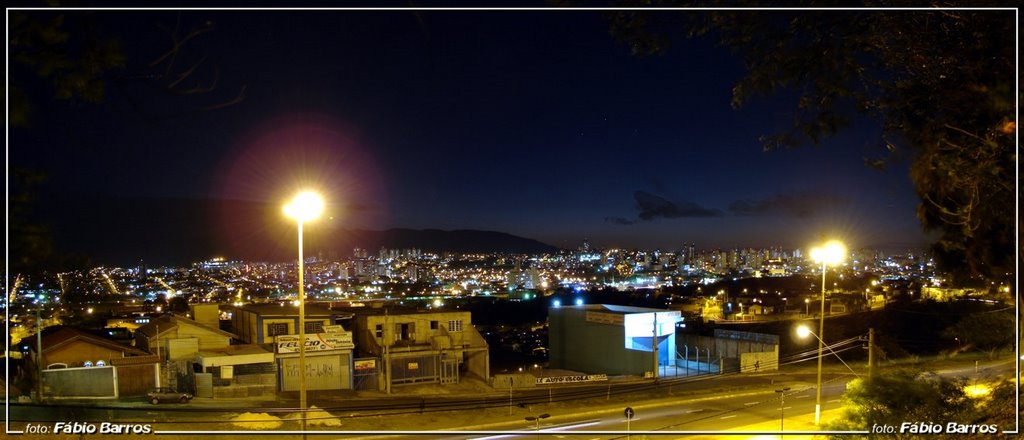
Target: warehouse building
[[610, 339]]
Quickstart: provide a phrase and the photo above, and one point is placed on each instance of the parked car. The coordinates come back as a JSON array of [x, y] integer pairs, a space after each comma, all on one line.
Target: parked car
[[163, 394]]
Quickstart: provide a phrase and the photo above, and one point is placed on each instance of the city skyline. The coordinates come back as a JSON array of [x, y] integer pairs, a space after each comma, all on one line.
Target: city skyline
[[438, 120]]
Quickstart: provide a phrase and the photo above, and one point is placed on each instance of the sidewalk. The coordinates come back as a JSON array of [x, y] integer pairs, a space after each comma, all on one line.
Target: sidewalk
[[770, 430]]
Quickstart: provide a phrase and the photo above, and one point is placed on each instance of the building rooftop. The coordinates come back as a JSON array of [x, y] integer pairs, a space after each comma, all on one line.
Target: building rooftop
[[277, 309], [64, 335], [610, 308], [399, 310], [167, 322]]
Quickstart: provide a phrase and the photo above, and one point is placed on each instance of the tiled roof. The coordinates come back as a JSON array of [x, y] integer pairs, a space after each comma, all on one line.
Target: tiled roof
[[66, 335]]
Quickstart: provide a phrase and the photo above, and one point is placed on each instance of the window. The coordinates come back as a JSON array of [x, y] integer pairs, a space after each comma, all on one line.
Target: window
[[405, 331], [315, 327], [275, 329], [455, 325], [433, 325], [379, 331]]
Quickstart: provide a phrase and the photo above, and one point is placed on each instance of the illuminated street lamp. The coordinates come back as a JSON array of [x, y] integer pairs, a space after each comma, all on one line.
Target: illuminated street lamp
[[304, 207], [830, 254]]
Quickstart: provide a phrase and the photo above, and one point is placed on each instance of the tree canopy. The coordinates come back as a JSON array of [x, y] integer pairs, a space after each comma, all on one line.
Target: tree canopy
[[905, 396], [939, 82], [988, 331]]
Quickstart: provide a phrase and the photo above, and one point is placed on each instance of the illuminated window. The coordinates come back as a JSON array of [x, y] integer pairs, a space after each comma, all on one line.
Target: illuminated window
[[455, 325], [277, 329]]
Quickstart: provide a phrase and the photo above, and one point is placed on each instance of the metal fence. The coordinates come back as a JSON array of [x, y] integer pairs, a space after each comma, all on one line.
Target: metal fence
[[365, 374], [409, 369]]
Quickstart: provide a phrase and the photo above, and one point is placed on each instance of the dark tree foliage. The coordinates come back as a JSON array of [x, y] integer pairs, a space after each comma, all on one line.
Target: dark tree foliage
[[939, 82], [29, 242], [78, 58], [987, 331], [177, 304], [74, 58], [71, 55], [905, 396]]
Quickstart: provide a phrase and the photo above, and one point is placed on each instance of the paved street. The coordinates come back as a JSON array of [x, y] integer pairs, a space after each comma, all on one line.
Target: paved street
[[735, 403]]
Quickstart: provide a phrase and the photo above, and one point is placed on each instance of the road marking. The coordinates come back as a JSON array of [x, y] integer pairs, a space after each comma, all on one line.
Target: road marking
[[751, 403], [788, 407], [728, 417], [832, 401], [803, 396]]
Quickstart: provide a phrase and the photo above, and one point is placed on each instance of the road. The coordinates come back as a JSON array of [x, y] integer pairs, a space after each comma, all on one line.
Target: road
[[729, 403], [689, 416], [703, 415]]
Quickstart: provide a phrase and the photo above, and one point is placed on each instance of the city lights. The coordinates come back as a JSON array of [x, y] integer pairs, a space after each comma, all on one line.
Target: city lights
[[519, 223]]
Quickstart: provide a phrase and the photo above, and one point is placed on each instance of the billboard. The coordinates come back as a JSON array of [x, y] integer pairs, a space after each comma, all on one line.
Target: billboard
[[315, 342]]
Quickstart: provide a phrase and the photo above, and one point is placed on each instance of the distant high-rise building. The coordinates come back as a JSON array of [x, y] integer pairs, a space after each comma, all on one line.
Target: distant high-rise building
[[359, 253], [142, 271]]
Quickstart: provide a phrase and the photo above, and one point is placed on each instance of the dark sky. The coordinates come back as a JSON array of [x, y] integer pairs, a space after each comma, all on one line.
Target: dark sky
[[537, 124]]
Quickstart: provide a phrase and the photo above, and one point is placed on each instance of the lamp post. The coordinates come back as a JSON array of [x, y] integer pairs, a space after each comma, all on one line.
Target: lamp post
[[807, 306], [782, 409], [304, 207], [831, 253], [536, 420]]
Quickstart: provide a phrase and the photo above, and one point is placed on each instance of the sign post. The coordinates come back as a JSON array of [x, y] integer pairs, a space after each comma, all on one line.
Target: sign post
[[629, 413]]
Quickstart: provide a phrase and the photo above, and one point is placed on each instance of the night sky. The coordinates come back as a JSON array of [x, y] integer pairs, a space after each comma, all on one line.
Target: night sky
[[538, 124]]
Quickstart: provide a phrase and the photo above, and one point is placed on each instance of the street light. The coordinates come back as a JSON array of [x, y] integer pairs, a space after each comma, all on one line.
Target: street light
[[536, 420], [782, 408], [306, 206], [831, 253]]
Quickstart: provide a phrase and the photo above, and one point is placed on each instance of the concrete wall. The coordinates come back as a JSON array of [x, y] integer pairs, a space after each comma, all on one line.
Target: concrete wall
[[759, 361], [521, 380], [86, 382], [733, 351], [206, 314], [207, 339], [181, 348], [323, 372]]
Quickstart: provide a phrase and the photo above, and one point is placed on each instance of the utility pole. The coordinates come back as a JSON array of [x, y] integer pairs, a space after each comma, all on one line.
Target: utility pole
[[387, 357], [39, 354], [159, 360], [871, 353], [654, 345]]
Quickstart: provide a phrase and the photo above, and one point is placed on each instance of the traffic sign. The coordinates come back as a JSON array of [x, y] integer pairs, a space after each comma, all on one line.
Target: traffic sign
[[629, 413]]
